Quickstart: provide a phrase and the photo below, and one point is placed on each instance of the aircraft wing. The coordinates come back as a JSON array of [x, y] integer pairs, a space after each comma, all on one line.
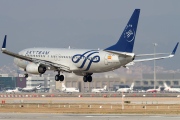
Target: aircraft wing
[[157, 58], [34, 60], [142, 55]]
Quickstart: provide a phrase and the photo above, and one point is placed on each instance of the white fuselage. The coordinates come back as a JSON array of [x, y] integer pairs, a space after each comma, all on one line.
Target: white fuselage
[[70, 90], [16, 90], [79, 61], [30, 89], [169, 89], [153, 90], [99, 90], [124, 90]]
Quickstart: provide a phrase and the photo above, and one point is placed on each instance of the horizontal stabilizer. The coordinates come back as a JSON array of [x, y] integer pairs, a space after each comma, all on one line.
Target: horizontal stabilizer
[[142, 55], [158, 58]]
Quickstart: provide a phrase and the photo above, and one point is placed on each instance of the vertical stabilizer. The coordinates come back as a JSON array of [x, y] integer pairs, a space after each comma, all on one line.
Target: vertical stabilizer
[[105, 87], [159, 89], [165, 85], [127, 38], [38, 87], [132, 86]]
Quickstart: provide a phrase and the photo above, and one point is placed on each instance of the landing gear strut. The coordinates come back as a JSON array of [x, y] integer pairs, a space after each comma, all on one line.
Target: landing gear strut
[[59, 77], [87, 78]]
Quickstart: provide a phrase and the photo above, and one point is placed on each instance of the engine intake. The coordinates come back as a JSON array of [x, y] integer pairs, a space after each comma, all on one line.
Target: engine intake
[[35, 69]]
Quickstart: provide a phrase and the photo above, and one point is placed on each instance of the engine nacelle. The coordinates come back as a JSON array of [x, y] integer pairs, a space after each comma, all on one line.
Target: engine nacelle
[[35, 69]]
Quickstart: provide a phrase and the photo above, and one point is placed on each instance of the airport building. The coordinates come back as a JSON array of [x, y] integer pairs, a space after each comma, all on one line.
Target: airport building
[[34, 81], [97, 82], [7, 82], [146, 82], [50, 85]]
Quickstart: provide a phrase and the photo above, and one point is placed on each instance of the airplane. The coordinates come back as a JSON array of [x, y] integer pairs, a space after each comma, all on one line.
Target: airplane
[[154, 90], [126, 89], [69, 90], [31, 89], [16, 90], [169, 89], [100, 89], [141, 91], [83, 62]]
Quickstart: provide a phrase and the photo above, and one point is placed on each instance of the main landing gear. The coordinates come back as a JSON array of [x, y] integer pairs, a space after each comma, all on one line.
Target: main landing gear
[[87, 78], [59, 77], [26, 75]]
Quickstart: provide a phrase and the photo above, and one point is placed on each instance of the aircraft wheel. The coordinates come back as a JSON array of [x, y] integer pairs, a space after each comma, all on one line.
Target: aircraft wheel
[[61, 77], [26, 75], [57, 78], [89, 78], [85, 78]]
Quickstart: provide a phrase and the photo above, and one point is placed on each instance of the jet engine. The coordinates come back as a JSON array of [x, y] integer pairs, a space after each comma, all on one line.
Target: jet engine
[[35, 68]]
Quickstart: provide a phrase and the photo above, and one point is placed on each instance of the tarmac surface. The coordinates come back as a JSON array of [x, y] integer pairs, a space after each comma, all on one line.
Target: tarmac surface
[[112, 100], [45, 116]]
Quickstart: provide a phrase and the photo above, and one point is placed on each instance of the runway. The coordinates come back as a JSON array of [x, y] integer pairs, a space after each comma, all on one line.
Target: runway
[[44, 116], [112, 100]]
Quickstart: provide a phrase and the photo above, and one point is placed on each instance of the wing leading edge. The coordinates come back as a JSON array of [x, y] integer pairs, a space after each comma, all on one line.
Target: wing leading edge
[[34, 60]]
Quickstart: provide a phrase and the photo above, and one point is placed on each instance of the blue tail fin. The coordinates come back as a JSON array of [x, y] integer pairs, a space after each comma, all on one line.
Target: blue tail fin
[[126, 41], [4, 43]]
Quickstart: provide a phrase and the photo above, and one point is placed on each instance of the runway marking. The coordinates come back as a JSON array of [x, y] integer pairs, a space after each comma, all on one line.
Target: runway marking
[[166, 117], [89, 116], [105, 116], [155, 116], [172, 117]]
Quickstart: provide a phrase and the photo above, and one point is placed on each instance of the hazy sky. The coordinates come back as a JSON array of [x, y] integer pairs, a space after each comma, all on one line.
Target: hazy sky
[[89, 24]]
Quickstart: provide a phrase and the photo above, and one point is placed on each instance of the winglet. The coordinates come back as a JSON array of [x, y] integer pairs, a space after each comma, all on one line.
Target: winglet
[[4, 43], [174, 51]]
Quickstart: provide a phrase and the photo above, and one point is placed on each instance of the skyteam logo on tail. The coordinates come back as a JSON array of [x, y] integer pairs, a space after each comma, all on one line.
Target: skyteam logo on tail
[[88, 57], [129, 33]]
